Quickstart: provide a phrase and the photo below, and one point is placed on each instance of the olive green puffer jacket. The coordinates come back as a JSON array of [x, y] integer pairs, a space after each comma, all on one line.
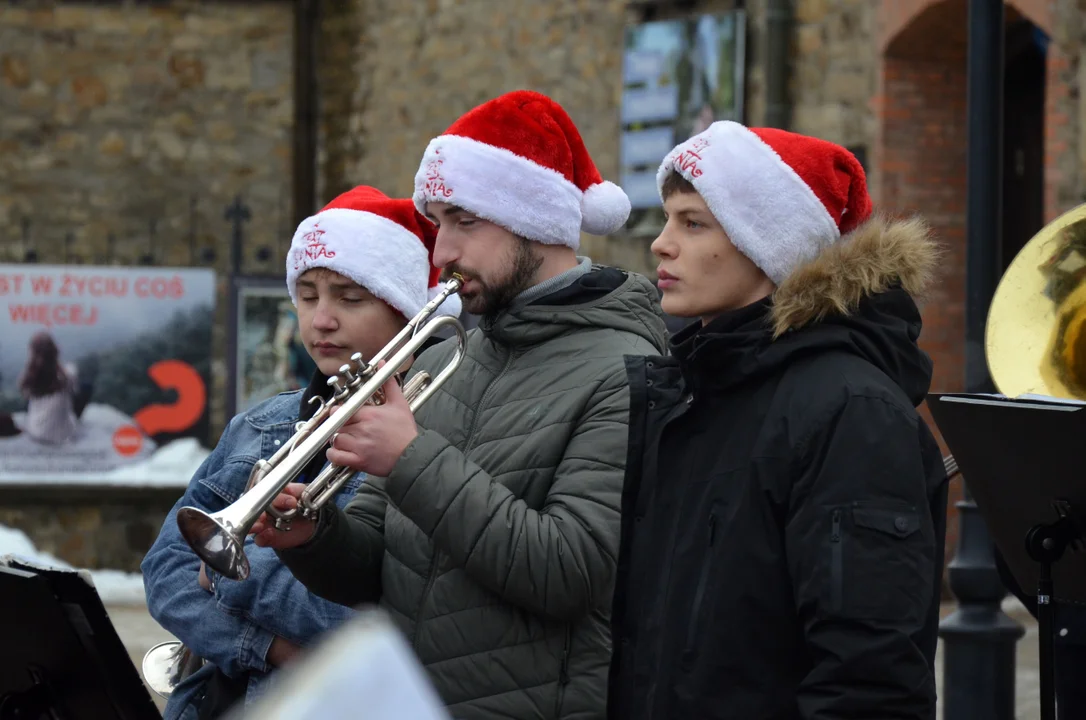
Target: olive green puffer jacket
[[493, 542]]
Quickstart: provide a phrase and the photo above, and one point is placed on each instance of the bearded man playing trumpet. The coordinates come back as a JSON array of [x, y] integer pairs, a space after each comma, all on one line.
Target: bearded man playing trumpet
[[355, 271], [488, 523]]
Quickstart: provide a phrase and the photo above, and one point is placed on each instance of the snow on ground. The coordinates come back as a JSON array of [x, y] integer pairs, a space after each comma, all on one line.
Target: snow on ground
[[91, 459], [114, 586]]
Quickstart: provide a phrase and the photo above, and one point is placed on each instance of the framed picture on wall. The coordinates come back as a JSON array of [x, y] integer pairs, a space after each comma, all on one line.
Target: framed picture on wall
[[266, 350]]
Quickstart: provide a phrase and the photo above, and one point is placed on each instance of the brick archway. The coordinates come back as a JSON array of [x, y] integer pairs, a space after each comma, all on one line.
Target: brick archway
[[920, 145], [921, 150], [893, 16]]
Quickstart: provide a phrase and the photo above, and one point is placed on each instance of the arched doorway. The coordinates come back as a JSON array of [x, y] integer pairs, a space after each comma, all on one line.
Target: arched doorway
[[1023, 137], [922, 145]]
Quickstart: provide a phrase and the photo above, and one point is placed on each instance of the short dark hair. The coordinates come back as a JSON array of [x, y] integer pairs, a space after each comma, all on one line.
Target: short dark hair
[[676, 183]]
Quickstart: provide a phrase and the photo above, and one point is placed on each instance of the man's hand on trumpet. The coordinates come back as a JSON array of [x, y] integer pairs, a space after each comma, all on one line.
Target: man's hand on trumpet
[[374, 439]]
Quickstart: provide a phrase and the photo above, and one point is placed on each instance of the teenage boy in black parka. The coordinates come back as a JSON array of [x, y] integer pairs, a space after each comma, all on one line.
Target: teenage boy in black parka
[[784, 508]]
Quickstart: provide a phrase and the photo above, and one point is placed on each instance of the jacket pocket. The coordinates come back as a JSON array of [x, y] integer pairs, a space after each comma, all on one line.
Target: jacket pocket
[[695, 625], [881, 560]]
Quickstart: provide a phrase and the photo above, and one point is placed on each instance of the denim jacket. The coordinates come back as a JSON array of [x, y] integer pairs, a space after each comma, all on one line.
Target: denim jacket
[[233, 627]]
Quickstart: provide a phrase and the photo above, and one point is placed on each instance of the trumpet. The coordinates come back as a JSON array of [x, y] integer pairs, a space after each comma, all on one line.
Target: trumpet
[[219, 538]]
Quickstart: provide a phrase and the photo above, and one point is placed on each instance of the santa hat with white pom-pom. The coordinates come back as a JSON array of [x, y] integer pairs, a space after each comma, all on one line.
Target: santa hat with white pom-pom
[[519, 161]]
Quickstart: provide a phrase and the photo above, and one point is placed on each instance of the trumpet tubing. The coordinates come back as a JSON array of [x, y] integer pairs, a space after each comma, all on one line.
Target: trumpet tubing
[[218, 538]]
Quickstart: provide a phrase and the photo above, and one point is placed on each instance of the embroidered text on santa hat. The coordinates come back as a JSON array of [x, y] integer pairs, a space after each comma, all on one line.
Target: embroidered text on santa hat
[[313, 248]]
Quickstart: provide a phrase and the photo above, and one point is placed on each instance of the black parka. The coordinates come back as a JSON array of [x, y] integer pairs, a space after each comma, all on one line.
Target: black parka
[[784, 509]]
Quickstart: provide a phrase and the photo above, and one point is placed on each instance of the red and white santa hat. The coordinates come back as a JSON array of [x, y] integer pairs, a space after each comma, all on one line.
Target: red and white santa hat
[[781, 197], [379, 242], [519, 161]]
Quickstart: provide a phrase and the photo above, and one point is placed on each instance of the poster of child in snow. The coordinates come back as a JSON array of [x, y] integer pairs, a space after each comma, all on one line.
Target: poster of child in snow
[[104, 373]]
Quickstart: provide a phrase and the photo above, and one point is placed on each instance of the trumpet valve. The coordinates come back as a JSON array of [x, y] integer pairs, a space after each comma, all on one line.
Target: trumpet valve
[[336, 383], [363, 368], [348, 374]]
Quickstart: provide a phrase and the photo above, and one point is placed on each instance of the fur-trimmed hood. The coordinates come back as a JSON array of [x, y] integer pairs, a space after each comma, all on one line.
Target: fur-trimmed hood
[[858, 296], [875, 256]]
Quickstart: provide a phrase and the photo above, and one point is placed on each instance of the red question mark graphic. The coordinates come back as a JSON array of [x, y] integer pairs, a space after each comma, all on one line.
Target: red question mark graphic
[[153, 419]]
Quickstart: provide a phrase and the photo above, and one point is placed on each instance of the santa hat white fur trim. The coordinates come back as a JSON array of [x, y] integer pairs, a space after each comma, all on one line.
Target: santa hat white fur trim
[[526, 198], [377, 253], [769, 213]]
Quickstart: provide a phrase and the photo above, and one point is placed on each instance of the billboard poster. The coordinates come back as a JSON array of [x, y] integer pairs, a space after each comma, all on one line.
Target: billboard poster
[[104, 373], [679, 76]]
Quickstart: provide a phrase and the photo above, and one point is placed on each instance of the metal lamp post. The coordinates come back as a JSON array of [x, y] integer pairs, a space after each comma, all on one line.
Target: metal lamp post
[[979, 638]]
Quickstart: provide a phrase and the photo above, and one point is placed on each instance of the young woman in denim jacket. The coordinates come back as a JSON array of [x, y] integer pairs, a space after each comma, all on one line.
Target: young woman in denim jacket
[[356, 271]]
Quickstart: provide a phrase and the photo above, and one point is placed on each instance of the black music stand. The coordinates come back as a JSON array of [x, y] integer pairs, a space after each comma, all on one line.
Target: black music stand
[[1022, 462], [61, 656]]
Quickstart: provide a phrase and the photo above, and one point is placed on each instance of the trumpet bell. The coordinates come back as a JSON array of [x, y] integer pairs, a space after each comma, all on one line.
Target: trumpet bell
[[1036, 329], [216, 540]]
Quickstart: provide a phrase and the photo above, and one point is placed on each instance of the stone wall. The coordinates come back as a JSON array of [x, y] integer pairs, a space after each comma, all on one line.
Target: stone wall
[[126, 125], [833, 81], [93, 528], [420, 65]]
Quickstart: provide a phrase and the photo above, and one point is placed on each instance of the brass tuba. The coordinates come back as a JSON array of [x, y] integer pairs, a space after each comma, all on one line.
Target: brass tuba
[[1035, 337], [219, 538]]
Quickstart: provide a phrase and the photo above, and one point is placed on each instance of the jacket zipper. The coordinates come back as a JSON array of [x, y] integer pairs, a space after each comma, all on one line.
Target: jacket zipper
[[703, 579], [431, 575], [836, 581]]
